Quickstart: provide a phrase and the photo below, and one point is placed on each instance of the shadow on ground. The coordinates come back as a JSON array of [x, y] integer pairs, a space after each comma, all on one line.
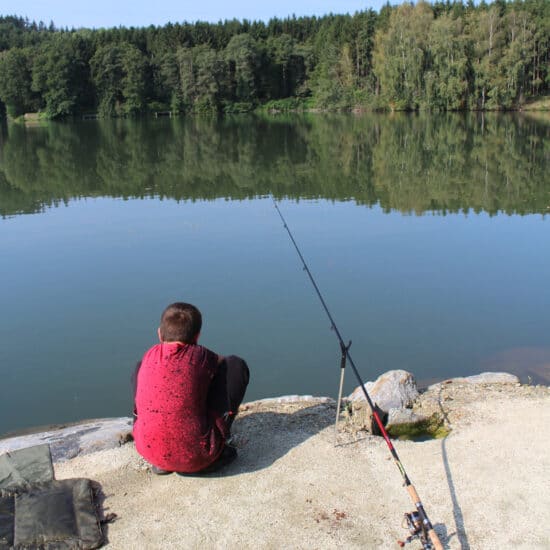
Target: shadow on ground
[[263, 437], [457, 509]]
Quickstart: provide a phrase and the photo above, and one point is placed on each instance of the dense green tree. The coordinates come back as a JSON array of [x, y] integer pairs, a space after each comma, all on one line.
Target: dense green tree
[[61, 75], [243, 57], [281, 50], [134, 83], [400, 55], [211, 71], [362, 49], [334, 79], [540, 11], [16, 32], [201, 75], [284, 70], [487, 36], [107, 75], [170, 89], [515, 63], [16, 81], [118, 72], [187, 77], [446, 79]]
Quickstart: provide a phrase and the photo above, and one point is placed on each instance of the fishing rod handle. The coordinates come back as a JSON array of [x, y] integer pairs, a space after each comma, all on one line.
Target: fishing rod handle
[[435, 539], [431, 531]]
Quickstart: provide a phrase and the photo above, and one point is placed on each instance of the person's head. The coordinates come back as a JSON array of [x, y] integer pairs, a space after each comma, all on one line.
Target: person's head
[[180, 322]]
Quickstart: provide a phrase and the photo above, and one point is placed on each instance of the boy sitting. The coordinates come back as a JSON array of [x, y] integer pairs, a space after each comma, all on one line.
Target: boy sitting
[[186, 398]]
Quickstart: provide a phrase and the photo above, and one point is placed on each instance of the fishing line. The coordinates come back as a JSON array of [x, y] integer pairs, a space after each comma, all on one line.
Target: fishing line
[[422, 527]]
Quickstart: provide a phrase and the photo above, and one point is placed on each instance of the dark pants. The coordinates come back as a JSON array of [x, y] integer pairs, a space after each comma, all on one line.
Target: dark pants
[[228, 387]]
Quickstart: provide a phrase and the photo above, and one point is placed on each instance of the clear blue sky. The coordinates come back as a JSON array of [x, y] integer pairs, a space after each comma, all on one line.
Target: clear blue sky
[[140, 13]]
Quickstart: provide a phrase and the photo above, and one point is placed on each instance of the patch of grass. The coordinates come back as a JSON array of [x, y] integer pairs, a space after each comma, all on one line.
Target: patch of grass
[[238, 107], [153, 106], [31, 119], [285, 105], [538, 104]]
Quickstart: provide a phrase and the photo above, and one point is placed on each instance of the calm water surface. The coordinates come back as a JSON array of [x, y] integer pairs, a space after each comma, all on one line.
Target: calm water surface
[[428, 236]]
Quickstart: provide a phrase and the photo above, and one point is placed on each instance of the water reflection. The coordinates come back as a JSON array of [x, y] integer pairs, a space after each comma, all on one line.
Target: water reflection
[[411, 163]]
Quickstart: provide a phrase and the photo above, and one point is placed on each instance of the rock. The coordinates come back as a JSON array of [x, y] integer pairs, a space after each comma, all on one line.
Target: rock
[[360, 416], [406, 424], [482, 378], [392, 390], [397, 417], [69, 441]]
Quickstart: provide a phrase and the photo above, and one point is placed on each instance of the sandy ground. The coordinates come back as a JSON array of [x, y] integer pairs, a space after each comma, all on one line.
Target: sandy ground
[[485, 486]]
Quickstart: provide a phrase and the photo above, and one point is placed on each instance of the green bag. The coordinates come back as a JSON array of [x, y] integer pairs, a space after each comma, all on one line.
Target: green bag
[[26, 466], [45, 514]]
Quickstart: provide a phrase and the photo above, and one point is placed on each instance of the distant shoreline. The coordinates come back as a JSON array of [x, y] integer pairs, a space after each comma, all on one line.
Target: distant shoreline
[[537, 107]]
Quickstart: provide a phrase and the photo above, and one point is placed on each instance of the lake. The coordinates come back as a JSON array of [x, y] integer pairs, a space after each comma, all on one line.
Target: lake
[[428, 236]]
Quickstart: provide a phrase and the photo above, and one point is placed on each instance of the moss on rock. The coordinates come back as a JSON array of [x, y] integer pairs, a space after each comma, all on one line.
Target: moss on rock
[[432, 427]]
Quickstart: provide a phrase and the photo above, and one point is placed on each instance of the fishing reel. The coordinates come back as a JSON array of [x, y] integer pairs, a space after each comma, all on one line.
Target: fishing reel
[[417, 530]]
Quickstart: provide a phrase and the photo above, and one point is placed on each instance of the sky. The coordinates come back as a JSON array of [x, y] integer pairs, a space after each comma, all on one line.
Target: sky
[[141, 13]]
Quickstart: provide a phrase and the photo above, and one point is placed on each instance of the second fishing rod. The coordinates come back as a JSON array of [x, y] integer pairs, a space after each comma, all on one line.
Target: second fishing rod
[[423, 525]]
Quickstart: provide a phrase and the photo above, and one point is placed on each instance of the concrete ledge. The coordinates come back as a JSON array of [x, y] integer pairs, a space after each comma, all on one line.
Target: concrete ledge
[[68, 442]]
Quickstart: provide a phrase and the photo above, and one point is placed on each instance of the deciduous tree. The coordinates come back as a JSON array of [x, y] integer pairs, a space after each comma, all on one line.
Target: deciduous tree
[[16, 81]]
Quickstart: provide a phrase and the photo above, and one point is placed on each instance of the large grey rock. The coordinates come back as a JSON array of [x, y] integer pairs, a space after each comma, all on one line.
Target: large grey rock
[[399, 417], [406, 424], [392, 390], [70, 441], [482, 378]]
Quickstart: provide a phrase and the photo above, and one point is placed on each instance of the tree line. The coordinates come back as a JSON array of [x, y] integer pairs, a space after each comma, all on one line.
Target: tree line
[[409, 162], [441, 56]]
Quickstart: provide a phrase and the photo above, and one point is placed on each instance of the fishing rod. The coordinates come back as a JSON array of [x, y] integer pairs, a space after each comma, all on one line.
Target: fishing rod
[[418, 523]]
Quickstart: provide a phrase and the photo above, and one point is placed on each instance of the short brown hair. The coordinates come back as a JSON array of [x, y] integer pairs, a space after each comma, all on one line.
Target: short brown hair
[[180, 322]]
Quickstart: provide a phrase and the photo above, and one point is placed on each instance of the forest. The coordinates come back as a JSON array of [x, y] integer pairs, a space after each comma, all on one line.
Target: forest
[[444, 56]]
